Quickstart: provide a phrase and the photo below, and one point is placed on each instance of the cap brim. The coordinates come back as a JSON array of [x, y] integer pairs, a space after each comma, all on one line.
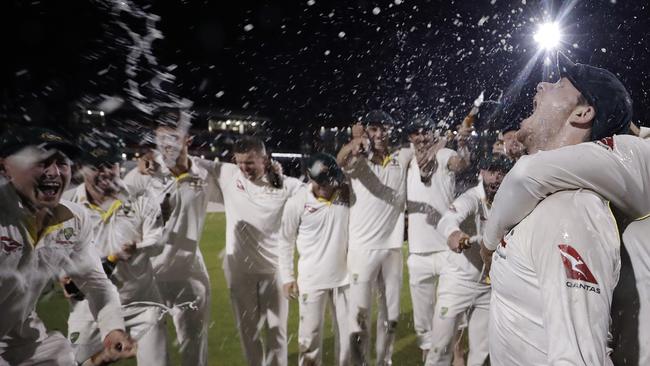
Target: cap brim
[[565, 65]]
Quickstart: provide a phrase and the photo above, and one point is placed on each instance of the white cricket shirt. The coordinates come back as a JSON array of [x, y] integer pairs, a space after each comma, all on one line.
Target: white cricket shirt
[[188, 196], [253, 216], [378, 201], [319, 230], [427, 202], [618, 168], [128, 219], [468, 265], [28, 263]]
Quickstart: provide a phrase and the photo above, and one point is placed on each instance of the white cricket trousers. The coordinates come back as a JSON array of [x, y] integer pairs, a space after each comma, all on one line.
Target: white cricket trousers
[[312, 304], [369, 269], [143, 323], [30, 344], [456, 299], [257, 300], [191, 322], [424, 271]]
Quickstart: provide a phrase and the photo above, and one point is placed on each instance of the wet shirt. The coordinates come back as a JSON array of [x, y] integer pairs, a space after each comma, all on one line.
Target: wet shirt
[[128, 218], [426, 202], [618, 168], [187, 197], [468, 265], [319, 230], [378, 201], [253, 216], [29, 261]]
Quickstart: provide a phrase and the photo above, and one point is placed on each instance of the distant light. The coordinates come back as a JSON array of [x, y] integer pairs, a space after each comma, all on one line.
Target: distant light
[[123, 156], [254, 124], [89, 112], [286, 155], [101, 113], [548, 35], [202, 156], [228, 122]]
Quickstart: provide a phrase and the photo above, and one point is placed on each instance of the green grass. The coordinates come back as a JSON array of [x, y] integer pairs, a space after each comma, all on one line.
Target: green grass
[[224, 348]]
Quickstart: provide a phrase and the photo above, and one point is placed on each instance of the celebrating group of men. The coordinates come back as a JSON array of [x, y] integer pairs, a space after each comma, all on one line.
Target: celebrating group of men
[[532, 282]]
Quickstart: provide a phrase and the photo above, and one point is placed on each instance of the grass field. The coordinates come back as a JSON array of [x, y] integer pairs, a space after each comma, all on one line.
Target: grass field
[[224, 348]]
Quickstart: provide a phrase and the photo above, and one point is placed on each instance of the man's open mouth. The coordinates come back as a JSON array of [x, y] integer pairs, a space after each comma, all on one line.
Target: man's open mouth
[[49, 189]]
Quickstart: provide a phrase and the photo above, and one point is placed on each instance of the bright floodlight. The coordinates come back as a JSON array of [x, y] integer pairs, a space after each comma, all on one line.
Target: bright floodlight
[[548, 36]]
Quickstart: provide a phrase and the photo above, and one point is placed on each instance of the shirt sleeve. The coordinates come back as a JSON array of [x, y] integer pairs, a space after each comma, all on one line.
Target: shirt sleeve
[[616, 173], [288, 235], [459, 211], [88, 275], [443, 157], [293, 185]]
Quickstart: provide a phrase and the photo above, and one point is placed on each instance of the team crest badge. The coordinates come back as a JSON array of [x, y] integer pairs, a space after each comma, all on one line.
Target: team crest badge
[[127, 208], [68, 232], [443, 311], [74, 337]]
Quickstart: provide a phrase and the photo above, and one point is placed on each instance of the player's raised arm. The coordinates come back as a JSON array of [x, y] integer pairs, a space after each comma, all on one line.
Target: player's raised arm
[[356, 148], [615, 167]]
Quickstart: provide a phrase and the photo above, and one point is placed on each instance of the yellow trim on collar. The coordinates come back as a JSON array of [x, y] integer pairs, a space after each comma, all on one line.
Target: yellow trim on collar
[[108, 213], [182, 176], [642, 217], [386, 160], [326, 201]]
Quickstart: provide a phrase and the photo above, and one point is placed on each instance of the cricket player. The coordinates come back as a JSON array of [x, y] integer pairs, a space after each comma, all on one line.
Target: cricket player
[[378, 197], [315, 221], [127, 231], [41, 239], [622, 161], [554, 273], [254, 194], [463, 288], [426, 202], [182, 187]]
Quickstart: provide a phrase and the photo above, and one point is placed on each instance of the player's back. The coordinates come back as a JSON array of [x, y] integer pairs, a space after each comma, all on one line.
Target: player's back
[[552, 278]]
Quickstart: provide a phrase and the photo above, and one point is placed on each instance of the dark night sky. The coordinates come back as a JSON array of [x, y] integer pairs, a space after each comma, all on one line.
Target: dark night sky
[[319, 62]]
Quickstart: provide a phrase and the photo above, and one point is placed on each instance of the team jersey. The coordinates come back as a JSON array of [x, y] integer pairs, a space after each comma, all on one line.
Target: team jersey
[[635, 239], [127, 219], [378, 201], [28, 262], [467, 266], [615, 167], [553, 278], [253, 216], [319, 229], [187, 196], [426, 202]]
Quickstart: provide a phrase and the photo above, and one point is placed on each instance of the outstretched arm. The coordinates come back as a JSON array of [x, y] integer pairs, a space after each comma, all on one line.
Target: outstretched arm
[[616, 169]]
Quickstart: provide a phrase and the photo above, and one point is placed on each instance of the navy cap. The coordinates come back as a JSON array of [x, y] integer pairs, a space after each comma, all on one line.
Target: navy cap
[[100, 149], [420, 123], [498, 162], [378, 117], [14, 140], [323, 169], [603, 91]]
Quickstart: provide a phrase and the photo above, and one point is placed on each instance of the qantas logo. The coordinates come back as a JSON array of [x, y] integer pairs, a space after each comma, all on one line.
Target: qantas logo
[[9, 245], [310, 209], [240, 185], [576, 268]]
